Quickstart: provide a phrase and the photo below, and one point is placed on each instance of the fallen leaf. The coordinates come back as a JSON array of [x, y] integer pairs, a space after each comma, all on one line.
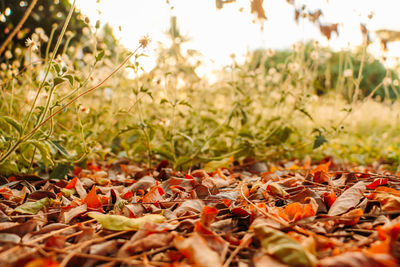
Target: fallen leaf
[[282, 247], [72, 213], [389, 198], [329, 198], [349, 199], [262, 260], [208, 215], [92, 200], [42, 262], [33, 207], [196, 250], [353, 217], [349, 259], [189, 207], [213, 240], [377, 182], [297, 211], [276, 190], [122, 223]]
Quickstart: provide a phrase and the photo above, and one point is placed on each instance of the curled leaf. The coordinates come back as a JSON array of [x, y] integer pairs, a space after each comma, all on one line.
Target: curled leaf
[[122, 223]]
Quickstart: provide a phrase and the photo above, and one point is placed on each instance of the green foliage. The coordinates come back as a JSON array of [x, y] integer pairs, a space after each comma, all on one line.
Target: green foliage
[[332, 68]]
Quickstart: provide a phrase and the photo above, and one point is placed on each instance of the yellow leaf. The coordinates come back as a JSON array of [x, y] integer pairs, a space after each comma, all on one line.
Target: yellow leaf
[[122, 223]]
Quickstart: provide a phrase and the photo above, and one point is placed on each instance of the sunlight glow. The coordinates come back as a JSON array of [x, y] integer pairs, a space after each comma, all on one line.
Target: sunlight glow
[[219, 33]]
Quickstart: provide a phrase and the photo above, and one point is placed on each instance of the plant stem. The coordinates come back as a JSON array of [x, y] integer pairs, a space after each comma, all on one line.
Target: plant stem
[[53, 55], [28, 135]]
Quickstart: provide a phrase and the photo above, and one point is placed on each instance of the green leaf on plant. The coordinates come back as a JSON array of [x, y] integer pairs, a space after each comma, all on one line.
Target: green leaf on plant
[[13, 123], [122, 223], [58, 80], [56, 144], [57, 67], [164, 100], [43, 149], [70, 79], [282, 247], [99, 56], [33, 207], [319, 141], [8, 168]]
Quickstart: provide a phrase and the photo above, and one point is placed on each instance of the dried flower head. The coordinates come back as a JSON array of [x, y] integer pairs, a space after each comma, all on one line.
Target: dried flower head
[[31, 44], [144, 41]]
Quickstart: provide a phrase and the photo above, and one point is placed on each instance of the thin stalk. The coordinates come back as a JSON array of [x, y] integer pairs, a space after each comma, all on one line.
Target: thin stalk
[[358, 81], [67, 44], [53, 30], [49, 63]]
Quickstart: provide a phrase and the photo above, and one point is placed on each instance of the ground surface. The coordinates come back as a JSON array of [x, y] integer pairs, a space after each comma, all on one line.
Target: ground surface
[[118, 214]]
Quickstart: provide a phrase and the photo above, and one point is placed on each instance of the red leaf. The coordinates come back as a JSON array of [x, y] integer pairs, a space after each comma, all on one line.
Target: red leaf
[[377, 182], [92, 200], [187, 176], [127, 195], [72, 183]]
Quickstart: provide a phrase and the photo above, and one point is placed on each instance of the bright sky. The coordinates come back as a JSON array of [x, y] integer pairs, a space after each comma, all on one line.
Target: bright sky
[[219, 33]]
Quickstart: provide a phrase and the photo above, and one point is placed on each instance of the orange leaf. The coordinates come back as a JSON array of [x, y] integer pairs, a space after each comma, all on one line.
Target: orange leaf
[[324, 167], [42, 262], [6, 192], [322, 177], [329, 198], [297, 211], [71, 183], [354, 217], [388, 190], [208, 215], [92, 200]]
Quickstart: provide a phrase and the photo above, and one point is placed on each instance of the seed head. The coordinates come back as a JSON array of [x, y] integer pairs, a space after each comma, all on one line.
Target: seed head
[[144, 41]]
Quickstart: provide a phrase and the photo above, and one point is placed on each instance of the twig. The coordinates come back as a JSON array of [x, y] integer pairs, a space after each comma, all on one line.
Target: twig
[[242, 244]]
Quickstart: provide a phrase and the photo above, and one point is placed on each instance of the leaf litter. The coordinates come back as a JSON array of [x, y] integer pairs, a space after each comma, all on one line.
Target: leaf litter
[[293, 214]]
